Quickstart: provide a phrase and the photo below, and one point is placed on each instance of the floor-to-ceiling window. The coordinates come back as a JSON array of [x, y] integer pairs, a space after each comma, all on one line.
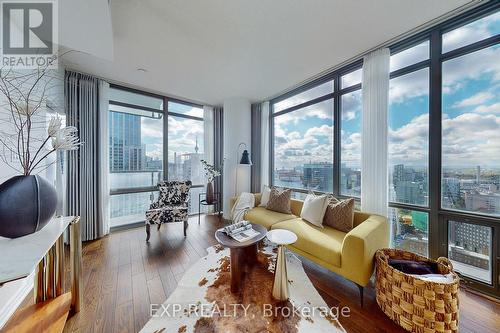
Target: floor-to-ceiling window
[[409, 147], [303, 140], [350, 133], [186, 147], [444, 142], [470, 153], [151, 138]]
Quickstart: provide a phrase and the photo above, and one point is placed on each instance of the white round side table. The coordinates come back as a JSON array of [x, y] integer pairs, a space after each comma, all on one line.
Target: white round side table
[[281, 237]]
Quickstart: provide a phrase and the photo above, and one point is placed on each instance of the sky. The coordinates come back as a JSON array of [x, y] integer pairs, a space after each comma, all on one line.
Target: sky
[[182, 132], [471, 110]]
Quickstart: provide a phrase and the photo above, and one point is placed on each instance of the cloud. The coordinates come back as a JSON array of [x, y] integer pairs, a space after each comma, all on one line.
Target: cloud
[[348, 115], [471, 33], [298, 147], [493, 108], [479, 98], [293, 135], [473, 66], [465, 144], [323, 130], [408, 86], [351, 149], [409, 143]]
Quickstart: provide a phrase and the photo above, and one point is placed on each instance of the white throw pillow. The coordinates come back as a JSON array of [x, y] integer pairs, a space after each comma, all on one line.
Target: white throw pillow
[[313, 209], [264, 199]]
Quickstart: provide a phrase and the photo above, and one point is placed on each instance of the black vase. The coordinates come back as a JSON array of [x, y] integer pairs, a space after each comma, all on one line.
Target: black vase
[[27, 203], [209, 196]]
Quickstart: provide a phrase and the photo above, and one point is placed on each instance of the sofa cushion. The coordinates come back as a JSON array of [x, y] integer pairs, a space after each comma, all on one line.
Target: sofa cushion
[[279, 200], [323, 243], [264, 199], [340, 214], [265, 217], [313, 209]]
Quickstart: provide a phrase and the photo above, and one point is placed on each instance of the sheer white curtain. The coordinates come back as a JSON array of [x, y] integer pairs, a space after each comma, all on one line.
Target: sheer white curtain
[[264, 167], [104, 155], [374, 187]]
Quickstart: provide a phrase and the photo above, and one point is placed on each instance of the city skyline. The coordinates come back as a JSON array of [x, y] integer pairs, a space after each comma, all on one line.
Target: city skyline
[[136, 158]]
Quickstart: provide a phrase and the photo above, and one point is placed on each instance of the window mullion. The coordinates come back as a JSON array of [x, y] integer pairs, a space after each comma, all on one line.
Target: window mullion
[[336, 137], [437, 233]]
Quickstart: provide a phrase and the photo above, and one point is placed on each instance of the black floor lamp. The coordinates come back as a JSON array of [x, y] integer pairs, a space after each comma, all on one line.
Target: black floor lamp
[[244, 160]]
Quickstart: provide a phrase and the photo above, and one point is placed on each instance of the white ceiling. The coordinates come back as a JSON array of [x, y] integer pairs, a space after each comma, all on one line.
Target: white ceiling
[[209, 51]]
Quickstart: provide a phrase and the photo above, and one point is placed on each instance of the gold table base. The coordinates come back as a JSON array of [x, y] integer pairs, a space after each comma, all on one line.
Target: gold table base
[[280, 286], [50, 272]]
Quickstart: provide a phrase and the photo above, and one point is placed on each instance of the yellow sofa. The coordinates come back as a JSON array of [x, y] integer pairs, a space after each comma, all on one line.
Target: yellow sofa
[[350, 255]]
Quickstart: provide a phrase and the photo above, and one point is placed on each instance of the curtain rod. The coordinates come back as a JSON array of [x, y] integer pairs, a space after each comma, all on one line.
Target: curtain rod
[[394, 40]]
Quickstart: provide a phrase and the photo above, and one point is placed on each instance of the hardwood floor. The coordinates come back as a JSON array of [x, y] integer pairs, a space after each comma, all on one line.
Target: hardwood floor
[[123, 275]]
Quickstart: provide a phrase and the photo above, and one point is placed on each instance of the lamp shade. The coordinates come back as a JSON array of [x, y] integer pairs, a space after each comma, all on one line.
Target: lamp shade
[[245, 158]]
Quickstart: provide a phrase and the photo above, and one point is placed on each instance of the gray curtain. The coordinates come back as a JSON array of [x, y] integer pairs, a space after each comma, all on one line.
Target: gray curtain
[[255, 180], [218, 150], [83, 197]]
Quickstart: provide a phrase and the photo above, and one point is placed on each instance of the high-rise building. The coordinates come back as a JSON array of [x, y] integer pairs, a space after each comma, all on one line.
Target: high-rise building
[[318, 176], [126, 152], [399, 174], [409, 192], [486, 202]]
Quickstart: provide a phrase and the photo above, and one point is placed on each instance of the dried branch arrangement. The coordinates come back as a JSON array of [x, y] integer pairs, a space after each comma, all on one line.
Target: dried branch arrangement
[[29, 134], [210, 171]]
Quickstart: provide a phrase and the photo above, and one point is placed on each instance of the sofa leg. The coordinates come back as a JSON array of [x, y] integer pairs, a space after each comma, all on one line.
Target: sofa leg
[[361, 289], [148, 232]]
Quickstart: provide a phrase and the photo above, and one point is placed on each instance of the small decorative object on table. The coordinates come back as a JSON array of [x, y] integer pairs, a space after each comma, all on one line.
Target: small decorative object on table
[[281, 237], [241, 231], [211, 173], [417, 304], [27, 201]]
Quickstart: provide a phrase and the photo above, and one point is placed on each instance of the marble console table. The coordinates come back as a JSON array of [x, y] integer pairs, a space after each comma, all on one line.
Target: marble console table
[[38, 261]]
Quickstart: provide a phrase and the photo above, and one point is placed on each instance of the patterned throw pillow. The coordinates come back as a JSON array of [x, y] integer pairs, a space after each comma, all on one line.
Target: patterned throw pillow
[[339, 214], [279, 200]]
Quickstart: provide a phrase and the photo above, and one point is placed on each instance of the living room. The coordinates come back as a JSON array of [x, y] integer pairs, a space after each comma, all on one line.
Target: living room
[[235, 166]]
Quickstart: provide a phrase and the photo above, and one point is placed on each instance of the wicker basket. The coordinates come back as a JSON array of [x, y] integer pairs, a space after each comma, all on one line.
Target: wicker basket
[[414, 304]]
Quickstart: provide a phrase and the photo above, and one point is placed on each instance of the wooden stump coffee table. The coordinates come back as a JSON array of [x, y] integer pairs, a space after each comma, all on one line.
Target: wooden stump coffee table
[[242, 253]]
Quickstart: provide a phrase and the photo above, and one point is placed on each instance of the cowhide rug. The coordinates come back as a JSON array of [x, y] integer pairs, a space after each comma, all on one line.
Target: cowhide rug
[[203, 302]]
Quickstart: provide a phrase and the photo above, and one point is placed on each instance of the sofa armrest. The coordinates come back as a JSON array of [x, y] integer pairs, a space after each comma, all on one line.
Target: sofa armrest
[[359, 247]]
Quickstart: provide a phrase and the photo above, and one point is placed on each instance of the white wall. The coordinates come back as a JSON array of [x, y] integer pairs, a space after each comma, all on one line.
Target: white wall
[[237, 128]]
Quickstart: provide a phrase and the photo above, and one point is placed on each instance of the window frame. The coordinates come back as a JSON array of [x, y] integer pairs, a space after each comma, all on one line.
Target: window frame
[[437, 215], [166, 114]]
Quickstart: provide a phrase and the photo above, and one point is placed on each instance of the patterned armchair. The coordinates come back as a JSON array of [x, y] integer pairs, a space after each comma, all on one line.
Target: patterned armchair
[[172, 205]]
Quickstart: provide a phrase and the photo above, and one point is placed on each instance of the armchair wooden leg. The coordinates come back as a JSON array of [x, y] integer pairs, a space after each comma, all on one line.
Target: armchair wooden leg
[[361, 289], [158, 227], [148, 232], [185, 227]]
